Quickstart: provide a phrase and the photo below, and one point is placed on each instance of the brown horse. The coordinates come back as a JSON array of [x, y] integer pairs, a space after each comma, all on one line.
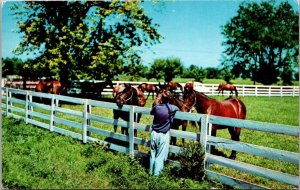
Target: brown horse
[[230, 107], [117, 89], [150, 88], [50, 86], [129, 96], [229, 87], [174, 86]]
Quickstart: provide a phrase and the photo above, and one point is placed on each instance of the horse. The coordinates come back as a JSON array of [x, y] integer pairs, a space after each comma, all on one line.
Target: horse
[[177, 101], [94, 88], [129, 96], [150, 88], [50, 86], [229, 87], [230, 107], [174, 86], [117, 89]]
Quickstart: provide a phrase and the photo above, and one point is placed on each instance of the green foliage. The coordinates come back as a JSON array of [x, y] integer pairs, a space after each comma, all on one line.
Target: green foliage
[[166, 69], [198, 73], [191, 158], [97, 39], [11, 66], [262, 41]]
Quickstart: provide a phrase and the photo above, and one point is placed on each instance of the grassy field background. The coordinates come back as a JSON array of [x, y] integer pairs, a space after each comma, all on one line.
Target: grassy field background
[[65, 167]]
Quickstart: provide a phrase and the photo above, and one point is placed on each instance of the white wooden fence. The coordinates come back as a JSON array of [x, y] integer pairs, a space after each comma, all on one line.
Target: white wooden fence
[[20, 104], [208, 89]]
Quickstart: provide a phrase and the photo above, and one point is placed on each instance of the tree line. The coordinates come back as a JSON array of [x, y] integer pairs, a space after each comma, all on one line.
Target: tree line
[[102, 39], [162, 69]]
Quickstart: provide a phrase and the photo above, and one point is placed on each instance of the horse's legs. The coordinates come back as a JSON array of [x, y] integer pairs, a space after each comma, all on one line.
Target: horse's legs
[[184, 125], [235, 135], [213, 149], [116, 116], [176, 127], [148, 95]]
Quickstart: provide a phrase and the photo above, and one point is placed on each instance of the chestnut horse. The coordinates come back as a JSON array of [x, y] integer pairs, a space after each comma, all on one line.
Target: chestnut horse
[[50, 86], [117, 89], [174, 86], [230, 107], [229, 87], [150, 88], [129, 96]]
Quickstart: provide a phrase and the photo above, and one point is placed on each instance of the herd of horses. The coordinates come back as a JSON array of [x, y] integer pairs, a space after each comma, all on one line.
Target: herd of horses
[[187, 100]]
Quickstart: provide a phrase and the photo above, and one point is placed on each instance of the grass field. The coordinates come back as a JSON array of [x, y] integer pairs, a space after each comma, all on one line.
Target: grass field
[[283, 110]]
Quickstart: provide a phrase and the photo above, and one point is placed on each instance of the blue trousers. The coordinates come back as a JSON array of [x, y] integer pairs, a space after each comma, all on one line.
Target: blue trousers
[[159, 151]]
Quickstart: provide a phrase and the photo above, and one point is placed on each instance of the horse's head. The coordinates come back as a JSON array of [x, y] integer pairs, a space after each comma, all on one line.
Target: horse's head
[[127, 96], [142, 87], [189, 99], [164, 95]]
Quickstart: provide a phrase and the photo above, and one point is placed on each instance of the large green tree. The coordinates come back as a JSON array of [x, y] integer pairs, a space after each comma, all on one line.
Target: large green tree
[[262, 41], [165, 69], [84, 39]]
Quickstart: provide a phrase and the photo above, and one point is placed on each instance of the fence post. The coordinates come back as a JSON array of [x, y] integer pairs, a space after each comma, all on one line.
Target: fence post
[[8, 102], [270, 94], [52, 113], [88, 122], [26, 107], [203, 137], [85, 121], [281, 91], [131, 131]]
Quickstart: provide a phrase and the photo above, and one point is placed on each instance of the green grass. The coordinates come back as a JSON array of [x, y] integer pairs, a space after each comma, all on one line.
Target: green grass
[[281, 110], [34, 158]]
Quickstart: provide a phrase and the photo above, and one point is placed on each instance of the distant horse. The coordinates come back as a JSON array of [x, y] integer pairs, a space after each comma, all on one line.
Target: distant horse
[[174, 86], [229, 87], [129, 96], [230, 107], [94, 88], [150, 88], [50, 86]]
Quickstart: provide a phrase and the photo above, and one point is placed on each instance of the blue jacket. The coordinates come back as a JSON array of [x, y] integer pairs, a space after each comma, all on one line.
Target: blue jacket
[[163, 117]]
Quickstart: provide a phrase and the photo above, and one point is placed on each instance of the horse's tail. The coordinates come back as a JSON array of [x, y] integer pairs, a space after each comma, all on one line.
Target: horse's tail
[[241, 109]]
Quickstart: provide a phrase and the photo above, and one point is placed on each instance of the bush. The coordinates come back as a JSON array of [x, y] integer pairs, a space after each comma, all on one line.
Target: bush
[[191, 158]]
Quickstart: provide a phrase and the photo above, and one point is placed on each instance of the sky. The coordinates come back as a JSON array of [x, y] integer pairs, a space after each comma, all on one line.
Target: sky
[[191, 30]]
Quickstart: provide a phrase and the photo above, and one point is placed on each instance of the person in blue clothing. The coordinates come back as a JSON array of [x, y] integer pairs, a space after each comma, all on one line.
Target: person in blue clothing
[[160, 133]]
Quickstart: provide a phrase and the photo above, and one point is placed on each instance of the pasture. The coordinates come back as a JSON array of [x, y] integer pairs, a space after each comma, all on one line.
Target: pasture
[[282, 110]]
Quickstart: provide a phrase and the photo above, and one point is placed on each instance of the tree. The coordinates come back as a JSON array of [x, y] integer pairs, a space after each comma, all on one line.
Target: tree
[[212, 73], [84, 39], [165, 69], [262, 41], [11, 66], [198, 73]]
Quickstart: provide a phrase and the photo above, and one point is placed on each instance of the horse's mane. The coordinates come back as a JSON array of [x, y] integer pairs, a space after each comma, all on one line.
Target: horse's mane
[[204, 95]]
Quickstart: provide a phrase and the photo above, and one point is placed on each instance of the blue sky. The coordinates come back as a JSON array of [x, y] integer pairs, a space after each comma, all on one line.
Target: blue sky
[[191, 30]]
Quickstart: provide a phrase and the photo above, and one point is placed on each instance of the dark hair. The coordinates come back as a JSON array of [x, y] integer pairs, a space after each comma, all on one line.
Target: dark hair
[[165, 97]]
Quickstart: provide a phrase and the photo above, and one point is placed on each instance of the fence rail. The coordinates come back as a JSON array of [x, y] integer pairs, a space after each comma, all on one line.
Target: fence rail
[[21, 105]]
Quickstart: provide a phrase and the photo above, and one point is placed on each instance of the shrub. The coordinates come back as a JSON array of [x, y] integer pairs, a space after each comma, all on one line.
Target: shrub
[[191, 158]]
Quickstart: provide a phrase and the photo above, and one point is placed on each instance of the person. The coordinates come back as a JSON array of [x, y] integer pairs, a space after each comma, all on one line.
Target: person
[[160, 133]]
